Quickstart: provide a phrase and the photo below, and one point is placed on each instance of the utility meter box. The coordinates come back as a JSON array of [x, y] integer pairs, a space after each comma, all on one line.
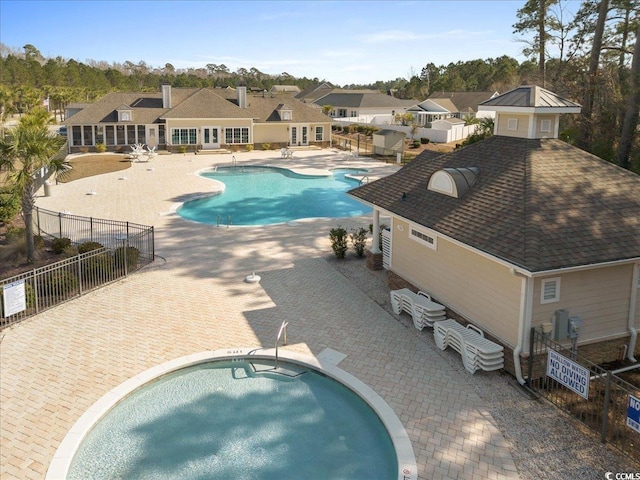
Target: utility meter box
[[561, 325], [575, 326]]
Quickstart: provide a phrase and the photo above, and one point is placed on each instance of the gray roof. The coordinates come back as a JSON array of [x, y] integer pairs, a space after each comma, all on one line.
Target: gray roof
[[540, 204], [187, 103], [531, 96], [360, 99], [206, 103], [464, 102]]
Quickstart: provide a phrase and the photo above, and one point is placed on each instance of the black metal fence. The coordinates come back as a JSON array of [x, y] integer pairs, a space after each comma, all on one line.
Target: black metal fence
[[125, 248], [598, 398]]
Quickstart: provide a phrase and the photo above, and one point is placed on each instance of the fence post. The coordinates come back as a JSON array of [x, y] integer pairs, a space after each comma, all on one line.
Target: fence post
[[80, 276], [605, 410], [60, 224], [36, 290], [530, 360]]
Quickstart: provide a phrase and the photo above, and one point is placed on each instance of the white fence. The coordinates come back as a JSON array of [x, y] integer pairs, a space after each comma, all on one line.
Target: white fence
[[434, 135]]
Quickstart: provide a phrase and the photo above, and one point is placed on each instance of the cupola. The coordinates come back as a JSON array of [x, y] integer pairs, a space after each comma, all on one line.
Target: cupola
[[528, 111]]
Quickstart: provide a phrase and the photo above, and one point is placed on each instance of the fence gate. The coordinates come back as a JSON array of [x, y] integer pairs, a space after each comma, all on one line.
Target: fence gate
[[602, 401]]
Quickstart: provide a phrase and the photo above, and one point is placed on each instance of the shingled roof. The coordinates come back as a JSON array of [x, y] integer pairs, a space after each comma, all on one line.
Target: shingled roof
[[539, 204]]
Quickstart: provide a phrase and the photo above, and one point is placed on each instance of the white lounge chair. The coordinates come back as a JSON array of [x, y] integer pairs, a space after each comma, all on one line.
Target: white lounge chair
[[424, 311]]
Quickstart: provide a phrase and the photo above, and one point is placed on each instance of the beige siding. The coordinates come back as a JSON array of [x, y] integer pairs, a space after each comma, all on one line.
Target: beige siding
[[265, 133], [522, 131], [600, 296], [553, 120], [481, 290]]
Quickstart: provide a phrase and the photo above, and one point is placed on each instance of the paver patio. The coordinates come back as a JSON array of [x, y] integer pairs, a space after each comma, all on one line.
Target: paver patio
[[193, 298]]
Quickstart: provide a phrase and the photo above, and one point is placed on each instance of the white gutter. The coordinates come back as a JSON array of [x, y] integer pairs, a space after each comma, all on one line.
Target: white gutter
[[513, 268], [632, 313], [524, 323]]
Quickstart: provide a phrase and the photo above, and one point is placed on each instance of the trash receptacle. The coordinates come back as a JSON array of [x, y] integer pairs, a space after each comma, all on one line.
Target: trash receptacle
[[399, 157], [47, 188]]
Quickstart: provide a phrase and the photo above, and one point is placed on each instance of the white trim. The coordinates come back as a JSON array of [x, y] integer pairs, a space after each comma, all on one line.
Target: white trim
[[513, 267], [554, 289], [545, 125]]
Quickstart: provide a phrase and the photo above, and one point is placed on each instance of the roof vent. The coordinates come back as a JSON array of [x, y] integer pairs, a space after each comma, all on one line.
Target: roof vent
[[453, 182]]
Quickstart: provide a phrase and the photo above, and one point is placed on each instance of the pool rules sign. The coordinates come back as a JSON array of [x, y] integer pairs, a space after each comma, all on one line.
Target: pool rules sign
[[570, 374], [14, 298]]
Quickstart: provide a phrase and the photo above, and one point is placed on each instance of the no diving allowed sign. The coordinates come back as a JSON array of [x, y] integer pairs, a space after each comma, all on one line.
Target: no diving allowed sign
[[570, 374]]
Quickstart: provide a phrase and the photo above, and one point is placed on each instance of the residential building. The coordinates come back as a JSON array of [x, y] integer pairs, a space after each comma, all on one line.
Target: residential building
[[197, 119]]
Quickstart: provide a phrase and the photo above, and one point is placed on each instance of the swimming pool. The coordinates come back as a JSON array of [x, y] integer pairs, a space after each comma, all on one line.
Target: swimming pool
[[239, 418], [268, 195]]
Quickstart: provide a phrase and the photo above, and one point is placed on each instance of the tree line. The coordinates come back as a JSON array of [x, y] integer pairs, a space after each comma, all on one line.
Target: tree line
[[589, 54]]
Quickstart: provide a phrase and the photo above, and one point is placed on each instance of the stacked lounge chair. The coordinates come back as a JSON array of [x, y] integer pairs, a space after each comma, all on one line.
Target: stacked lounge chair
[[478, 352], [424, 311]]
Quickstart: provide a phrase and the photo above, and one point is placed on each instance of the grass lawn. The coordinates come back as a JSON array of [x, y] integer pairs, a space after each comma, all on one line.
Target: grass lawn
[[90, 165]]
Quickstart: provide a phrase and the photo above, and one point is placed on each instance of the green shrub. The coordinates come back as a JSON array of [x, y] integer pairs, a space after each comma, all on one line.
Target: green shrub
[[101, 147], [60, 282], [182, 149], [97, 266], [359, 240], [132, 256], [266, 146], [248, 147], [424, 140], [338, 237], [9, 204], [415, 143], [89, 246], [60, 244]]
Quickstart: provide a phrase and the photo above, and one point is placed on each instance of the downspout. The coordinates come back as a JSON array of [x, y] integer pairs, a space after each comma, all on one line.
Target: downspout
[[526, 293], [632, 312]]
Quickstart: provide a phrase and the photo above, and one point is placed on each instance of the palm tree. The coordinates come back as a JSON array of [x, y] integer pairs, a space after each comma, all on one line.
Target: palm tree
[[25, 150]]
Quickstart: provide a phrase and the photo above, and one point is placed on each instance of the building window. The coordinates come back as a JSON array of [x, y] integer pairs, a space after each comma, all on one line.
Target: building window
[[545, 126], [423, 237], [550, 290], [109, 135], [512, 124], [184, 136], [141, 134], [76, 136], [342, 112], [319, 134], [236, 135], [131, 134], [354, 113], [88, 135]]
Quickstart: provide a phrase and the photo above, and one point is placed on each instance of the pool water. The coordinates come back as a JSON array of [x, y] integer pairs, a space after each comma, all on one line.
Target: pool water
[[239, 420], [269, 195]]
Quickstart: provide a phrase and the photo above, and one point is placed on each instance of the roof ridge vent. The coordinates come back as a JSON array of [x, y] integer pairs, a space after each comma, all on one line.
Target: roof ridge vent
[[454, 182]]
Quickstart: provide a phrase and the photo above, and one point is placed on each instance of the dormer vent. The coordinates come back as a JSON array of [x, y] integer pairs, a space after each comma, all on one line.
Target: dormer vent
[[453, 182]]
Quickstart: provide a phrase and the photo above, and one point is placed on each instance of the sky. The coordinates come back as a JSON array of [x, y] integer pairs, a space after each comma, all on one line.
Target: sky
[[344, 42]]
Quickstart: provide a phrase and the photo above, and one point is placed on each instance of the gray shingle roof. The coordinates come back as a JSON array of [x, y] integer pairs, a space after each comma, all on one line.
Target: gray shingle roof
[[465, 102], [194, 103], [359, 99], [540, 204]]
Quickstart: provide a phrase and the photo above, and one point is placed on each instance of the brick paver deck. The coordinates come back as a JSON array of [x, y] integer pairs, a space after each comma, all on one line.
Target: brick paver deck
[[193, 298]]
